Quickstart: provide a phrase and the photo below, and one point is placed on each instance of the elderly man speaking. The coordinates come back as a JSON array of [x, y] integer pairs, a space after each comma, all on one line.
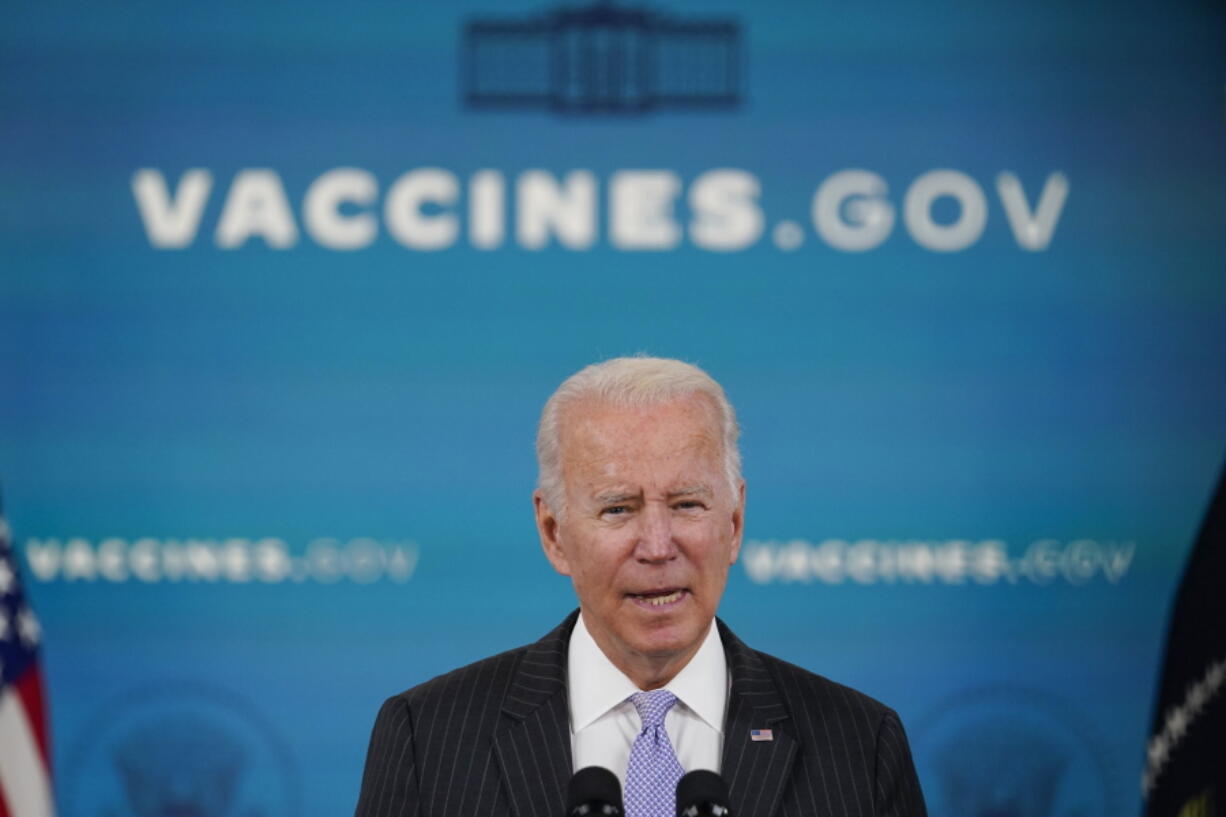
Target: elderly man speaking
[[641, 503]]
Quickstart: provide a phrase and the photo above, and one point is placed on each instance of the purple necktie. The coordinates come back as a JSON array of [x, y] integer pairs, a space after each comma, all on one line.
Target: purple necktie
[[653, 772]]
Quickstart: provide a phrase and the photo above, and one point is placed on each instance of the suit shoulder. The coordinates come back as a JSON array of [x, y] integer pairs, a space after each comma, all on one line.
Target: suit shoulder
[[490, 680], [802, 689], [486, 675], [841, 728]]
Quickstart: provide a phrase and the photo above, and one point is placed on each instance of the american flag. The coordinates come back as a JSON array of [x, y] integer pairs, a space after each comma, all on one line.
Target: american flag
[[25, 767]]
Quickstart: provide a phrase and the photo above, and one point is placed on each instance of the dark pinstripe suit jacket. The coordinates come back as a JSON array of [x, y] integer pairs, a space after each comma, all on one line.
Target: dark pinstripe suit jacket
[[493, 738]]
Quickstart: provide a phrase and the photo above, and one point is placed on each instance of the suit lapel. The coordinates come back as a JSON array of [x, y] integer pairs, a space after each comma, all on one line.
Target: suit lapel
[[533, 742], [756, 771]]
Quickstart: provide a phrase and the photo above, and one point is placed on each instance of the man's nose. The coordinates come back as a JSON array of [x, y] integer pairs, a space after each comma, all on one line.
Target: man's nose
[[656, 535]]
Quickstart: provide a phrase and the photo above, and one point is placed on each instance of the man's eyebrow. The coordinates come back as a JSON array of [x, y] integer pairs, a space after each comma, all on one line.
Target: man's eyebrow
[[615, 497], [691, 490]]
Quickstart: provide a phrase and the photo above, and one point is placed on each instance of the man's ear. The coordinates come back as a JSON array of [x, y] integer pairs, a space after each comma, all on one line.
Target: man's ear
[[738, 523], [547, 527]]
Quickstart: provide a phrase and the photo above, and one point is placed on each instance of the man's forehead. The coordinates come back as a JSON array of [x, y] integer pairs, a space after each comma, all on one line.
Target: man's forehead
[[623, 451], [596, 420]]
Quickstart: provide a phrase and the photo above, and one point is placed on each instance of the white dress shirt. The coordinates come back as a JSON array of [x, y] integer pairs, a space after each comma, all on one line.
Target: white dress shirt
[[603, 724]]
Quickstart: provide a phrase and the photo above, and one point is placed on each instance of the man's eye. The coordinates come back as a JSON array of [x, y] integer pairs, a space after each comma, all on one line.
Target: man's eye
[[688, 504], [616, 510]]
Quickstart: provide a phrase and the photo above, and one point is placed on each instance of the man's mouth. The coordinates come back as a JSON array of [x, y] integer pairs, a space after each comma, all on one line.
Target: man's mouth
[[660, 598]]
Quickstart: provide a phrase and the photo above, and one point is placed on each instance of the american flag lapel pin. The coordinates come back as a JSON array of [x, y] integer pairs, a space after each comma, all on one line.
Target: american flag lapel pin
[[761, 734]]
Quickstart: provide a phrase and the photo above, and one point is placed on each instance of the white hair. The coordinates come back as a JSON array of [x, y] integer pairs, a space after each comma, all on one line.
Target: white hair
[[630, 381]]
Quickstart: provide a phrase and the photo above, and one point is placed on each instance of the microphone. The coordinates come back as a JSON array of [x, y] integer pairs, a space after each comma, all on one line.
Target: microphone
[[702, 793], [594, 791]]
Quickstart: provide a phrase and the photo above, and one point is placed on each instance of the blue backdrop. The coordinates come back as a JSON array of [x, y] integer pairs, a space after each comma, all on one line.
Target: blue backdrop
[[285, 286]]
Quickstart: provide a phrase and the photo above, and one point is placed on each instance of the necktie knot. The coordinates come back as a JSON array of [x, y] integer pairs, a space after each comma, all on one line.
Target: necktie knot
[[653, 706]]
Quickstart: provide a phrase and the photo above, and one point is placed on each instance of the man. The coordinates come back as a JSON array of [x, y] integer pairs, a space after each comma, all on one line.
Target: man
[[641, 503]]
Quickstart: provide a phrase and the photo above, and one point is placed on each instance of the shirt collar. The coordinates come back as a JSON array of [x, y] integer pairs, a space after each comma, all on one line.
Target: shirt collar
[[595, 685]]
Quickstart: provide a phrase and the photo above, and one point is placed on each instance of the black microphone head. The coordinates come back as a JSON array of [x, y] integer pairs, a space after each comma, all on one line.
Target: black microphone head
[[702, 793], [594, 791]]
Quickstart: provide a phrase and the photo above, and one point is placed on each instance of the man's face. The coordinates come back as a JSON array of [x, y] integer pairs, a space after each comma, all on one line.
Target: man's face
[[650, 527]]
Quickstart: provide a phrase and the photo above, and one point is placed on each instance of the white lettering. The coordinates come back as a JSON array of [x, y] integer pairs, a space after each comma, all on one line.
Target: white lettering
[[861, 564], [827, 561], [403, 213], [792, 562], [364, 560], [111, 562], [726, 216], [989, 561], [256, 206], [78, 560], [43, 558], [917, 210], [174, 560], [641, 210], [236, 558], [324, 557], [851, 212], [271, 560], [759, 562], [201, 560], [486, 209], [951, 561], [1041, 561], [566, 211], [401, 562], [321, 210], [1032, 231], [916, 562], [171, 223], [1118, 560], [143, 560], [1081, 561]]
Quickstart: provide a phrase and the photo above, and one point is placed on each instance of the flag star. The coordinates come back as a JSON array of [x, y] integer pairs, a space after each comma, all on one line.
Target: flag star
[[6, 578], [27, 626]]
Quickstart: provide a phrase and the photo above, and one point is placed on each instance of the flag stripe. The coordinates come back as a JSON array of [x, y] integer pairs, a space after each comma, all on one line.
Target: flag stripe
[[30, 688], [23, 775]]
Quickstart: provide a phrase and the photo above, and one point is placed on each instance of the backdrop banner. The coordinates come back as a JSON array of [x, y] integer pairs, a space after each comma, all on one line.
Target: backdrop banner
[[286, 285]]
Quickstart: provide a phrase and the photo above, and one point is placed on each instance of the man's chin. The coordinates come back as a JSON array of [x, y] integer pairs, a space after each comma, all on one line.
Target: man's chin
[[665, 641]]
